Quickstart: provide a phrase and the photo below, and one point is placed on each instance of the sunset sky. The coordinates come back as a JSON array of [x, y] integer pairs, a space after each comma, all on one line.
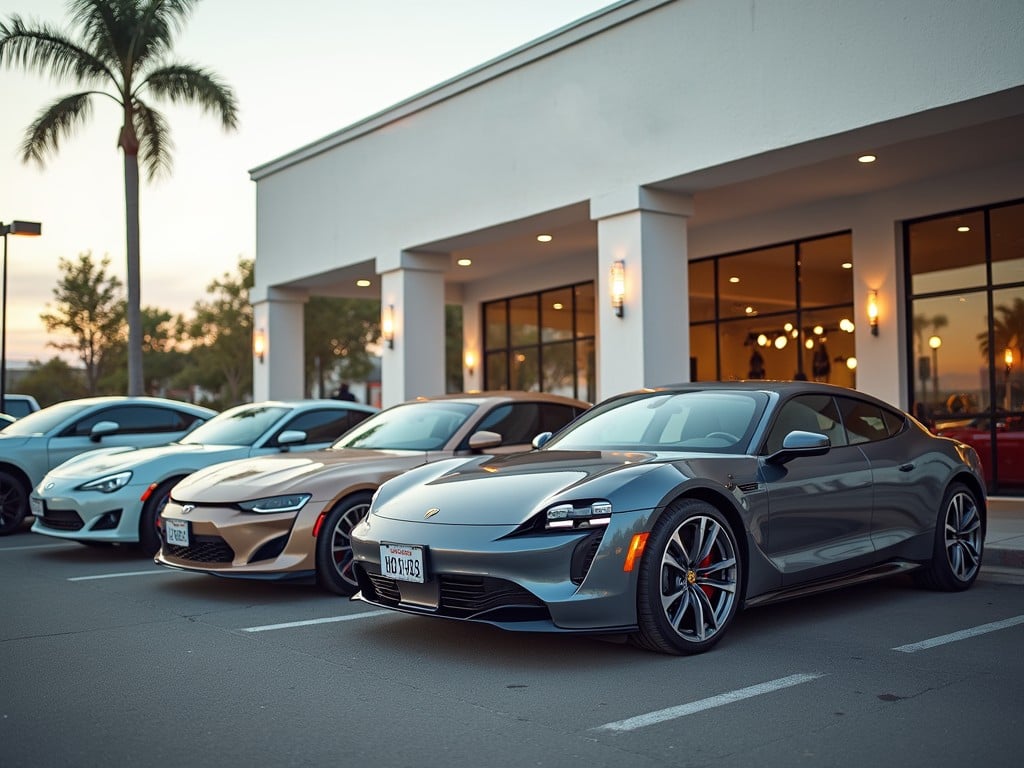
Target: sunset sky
[[297, 77]]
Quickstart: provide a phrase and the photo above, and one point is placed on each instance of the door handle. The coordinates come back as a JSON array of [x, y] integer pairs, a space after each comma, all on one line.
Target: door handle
[[906, 467]]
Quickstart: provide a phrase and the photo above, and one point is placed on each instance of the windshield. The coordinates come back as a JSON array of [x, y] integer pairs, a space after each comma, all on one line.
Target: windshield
[[425, 425], [715, 421], [41, 422], [242, 425]]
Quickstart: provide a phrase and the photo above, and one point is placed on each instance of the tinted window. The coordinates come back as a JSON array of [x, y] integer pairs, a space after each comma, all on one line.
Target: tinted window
[[515, 422], [894, 422], [865, 422], [17, 408], [419, 426], [553, 416], [243, 425], [807, 413], [41, 422], [134, 420], [322, 426]]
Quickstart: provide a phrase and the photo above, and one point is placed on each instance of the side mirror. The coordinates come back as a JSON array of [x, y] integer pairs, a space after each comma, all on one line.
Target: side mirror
[[483, 439], [290, 437], [103, 428], [541, 440], [800, 443]]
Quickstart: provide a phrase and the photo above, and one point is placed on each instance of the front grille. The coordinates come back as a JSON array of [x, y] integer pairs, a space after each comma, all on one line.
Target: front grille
[[62, 520], [203, 549], [468, 595], [461, 597]]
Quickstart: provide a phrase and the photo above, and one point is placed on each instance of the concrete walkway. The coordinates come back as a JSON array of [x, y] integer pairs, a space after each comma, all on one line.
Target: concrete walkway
[[1004, 539]]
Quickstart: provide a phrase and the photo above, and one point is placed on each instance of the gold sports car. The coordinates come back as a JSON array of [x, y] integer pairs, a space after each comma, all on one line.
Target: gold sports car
[[290, 517]]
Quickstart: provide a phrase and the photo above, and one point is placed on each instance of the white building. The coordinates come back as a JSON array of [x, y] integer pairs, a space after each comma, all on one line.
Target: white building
[[709, 151]]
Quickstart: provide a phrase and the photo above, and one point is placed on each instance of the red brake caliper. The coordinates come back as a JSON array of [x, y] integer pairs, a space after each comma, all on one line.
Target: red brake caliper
[[706, 588]]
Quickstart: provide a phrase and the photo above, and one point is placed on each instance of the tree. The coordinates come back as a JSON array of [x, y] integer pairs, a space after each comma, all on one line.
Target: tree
[[161, 358], [90, 308], [337, 332], [52, 381], [122, 54], [220, 338]]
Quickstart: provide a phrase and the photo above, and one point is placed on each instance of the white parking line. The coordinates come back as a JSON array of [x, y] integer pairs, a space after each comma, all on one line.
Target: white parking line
[[329, 620], [119, 575], [953, 637], [672, 713], [39, 546]]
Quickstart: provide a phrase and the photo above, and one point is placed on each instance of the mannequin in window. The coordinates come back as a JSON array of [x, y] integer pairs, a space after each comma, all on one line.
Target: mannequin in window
[[821, 367], [756, 365]]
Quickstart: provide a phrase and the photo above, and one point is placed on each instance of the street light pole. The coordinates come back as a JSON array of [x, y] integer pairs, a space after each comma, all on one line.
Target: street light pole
[[26, 228]]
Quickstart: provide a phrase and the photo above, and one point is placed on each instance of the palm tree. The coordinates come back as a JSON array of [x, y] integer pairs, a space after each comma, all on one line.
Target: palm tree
[[123, 54]]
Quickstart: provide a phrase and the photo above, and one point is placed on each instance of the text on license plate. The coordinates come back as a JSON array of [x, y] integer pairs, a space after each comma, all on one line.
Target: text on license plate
[[176, 532], [403, 562], [36, 506]]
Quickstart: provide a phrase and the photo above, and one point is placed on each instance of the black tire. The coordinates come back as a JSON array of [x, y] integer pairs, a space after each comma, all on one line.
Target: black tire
[[689, 581], [334, 544], [149, 533], [959, 540], [13, 503]]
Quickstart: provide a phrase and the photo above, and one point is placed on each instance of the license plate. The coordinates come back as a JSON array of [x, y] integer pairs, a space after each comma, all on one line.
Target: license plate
[[402, 562], [36, 507], [176, 532]]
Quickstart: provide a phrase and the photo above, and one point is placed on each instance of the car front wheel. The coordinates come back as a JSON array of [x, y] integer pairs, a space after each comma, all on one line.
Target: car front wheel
[[149, 519], [334, 544], [689, 581], [13, 503], [959, 538]]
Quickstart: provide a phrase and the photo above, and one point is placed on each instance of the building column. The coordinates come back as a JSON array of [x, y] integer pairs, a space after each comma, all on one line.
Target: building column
[[278, 327], [649, 345], [412, 364]]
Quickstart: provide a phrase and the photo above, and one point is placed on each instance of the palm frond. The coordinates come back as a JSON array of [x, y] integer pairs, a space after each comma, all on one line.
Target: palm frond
[[155, 144], [49, 51], [55, 123], [182, 83]]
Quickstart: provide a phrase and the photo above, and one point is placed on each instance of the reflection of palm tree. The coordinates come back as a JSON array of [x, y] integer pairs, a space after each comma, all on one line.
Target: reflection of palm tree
[[1007, 330]]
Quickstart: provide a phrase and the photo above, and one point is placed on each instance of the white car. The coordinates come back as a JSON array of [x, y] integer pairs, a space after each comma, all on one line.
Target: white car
[[35, 444], [19, 406], [110, 498]]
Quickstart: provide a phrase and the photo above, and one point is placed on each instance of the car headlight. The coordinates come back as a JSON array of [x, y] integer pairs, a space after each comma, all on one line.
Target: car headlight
[[291, 502], [107, 484], [570, 516]]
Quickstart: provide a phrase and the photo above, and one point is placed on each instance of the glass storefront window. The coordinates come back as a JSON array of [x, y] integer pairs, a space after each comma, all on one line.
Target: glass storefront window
[[947, 251], [757, 282], [826, 276], [702, 290], [542, 342], [1007, 224]]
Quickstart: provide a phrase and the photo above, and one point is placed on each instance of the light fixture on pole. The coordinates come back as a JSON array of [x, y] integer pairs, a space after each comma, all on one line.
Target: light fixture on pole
[[24, 228], [1008, 360], [617, 284], [387, 324]]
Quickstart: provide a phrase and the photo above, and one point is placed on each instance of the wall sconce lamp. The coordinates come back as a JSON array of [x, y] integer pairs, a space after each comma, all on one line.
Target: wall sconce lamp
[[873, 312], [470, 360], [617, 281], [387, 325], [259, 344]]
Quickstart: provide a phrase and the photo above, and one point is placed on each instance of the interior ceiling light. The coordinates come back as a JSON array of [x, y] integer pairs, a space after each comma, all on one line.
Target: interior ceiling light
[[363, 283], [963, 229], [847, 265], [866, 159], [734, 279], [544, 238], [557, 305], [464, 262]]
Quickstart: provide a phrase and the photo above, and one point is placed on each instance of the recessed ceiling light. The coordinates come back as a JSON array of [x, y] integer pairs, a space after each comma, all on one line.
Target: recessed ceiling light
[[866, 159], [734, 279], [363, 283], [464, 262], [749, 310], [544, 238], [558, 305], [963, 229], [847, 265]]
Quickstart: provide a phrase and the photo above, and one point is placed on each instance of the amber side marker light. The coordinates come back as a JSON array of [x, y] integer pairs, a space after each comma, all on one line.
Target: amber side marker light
[[636, 549]]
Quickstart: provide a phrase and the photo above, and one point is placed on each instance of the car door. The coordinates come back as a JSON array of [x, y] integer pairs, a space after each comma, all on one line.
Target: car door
[[322, 427], [819, 506], [140, 425]]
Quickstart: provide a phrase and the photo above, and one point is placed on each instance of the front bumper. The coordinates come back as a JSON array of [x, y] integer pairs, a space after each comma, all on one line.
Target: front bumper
[[89, 516], [522, 582]]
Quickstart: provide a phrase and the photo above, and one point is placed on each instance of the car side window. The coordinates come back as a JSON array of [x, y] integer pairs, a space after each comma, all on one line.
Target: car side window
[[894, 422], [554, 416], [865, 422], [134, 420], [321, 426], [809, 413], [515, 422]]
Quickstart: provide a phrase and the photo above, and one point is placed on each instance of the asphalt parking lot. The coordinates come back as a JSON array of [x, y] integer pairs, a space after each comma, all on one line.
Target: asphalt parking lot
[[111, 660]]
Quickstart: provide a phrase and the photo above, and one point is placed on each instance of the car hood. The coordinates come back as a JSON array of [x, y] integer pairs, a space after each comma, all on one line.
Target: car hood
[[506, 490], [321, 473], [117, 459]]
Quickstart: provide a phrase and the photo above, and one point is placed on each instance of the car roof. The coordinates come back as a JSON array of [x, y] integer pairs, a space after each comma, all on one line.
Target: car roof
[[313, 401], [504, 396], [783, 387], [145, 399]]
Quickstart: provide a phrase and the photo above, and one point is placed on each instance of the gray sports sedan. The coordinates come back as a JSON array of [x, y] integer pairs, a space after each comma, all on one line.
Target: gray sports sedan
[[660, 513]]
